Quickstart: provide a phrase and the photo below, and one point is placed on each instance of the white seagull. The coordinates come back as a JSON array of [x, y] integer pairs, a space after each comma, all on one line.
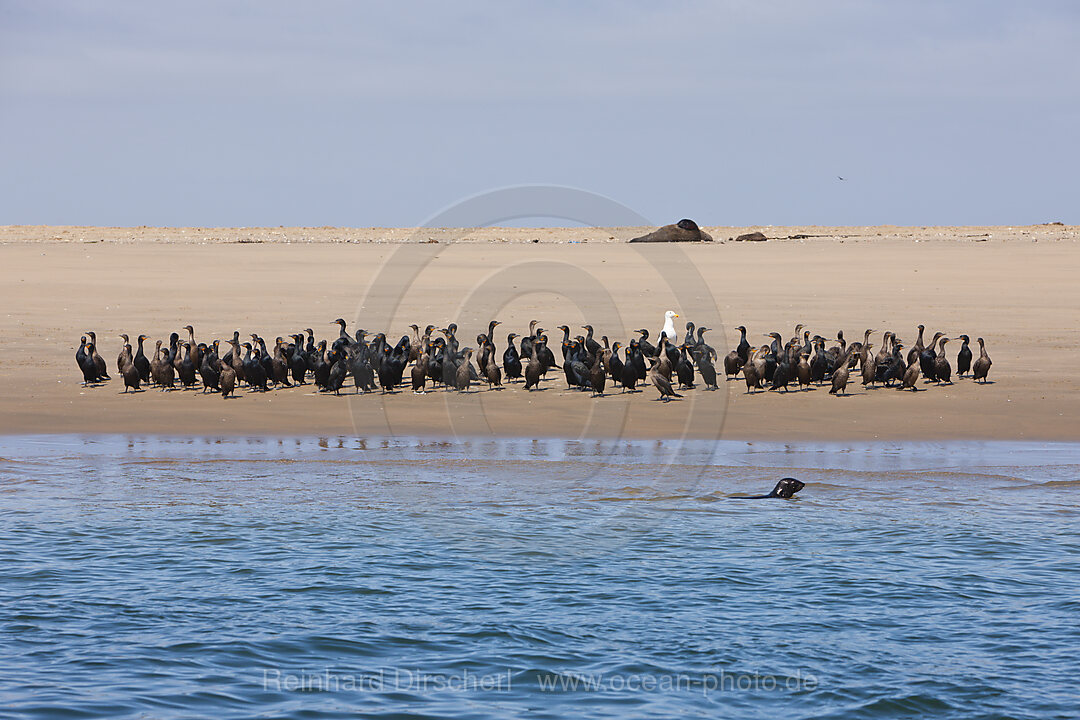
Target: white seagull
[[669, 327]]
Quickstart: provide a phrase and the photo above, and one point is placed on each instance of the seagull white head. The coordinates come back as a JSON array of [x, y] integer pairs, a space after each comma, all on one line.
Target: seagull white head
[[669, 325]]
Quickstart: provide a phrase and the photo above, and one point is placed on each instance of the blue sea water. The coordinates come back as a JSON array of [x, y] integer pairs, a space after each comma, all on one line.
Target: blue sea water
[[145, 577]]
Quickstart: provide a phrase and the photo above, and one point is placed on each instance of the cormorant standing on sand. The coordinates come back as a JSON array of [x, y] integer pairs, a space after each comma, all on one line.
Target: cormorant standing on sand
[[706, 368], [660, 382], [208, 369], [942, 368], [982, 365], [420, 369], [644, 345], [338, 372], [598, 374], [868, 365], [629, 377], [167, 372], [86, 363], [684, 370], [187, 368], [227, 380], [802, 371], [917, 348], [732, 364], [511, 359], [753, 371], [141, 362], [253, 369], [464, 378], [911, 377], [127, 369], [615, 364], [841, 373], [928, 357], [743, 349], [535, 368], [120, 357], [99, 362], [963, 358], [492, 372]]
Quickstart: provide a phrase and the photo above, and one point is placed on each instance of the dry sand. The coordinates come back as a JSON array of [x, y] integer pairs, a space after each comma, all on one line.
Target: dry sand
[[1016, 287]]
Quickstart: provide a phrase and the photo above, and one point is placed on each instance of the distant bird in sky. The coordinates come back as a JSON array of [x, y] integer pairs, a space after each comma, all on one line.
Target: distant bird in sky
[[840, 178]]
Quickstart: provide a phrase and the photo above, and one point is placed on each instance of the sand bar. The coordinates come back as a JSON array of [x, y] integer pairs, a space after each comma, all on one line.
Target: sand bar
[[1016, 287]]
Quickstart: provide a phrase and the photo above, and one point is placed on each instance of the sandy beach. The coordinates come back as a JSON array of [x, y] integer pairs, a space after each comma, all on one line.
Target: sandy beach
[[1016, 287]]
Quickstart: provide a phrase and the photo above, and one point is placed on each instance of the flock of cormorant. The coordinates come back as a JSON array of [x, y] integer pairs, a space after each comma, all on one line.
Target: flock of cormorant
[[587, 363]]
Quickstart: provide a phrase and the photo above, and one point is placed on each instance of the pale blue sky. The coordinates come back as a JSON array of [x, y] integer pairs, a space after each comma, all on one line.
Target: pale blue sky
[[347, 113]]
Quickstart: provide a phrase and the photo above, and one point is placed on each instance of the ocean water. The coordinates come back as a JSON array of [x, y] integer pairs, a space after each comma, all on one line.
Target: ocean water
[[146, 577]]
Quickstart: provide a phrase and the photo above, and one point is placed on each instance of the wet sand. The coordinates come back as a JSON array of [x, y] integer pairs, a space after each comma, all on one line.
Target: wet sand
[[1016, 287]]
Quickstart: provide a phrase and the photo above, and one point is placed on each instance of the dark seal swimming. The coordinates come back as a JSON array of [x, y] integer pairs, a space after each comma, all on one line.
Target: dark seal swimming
[[784, 489]]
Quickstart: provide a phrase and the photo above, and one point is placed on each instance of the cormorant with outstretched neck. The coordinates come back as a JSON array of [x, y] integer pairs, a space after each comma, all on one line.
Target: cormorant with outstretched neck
[[701, 344], [647, 349], [591, 346], [564, 346], [743, 348], [916, 349], [982, 364], [963, 358]]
